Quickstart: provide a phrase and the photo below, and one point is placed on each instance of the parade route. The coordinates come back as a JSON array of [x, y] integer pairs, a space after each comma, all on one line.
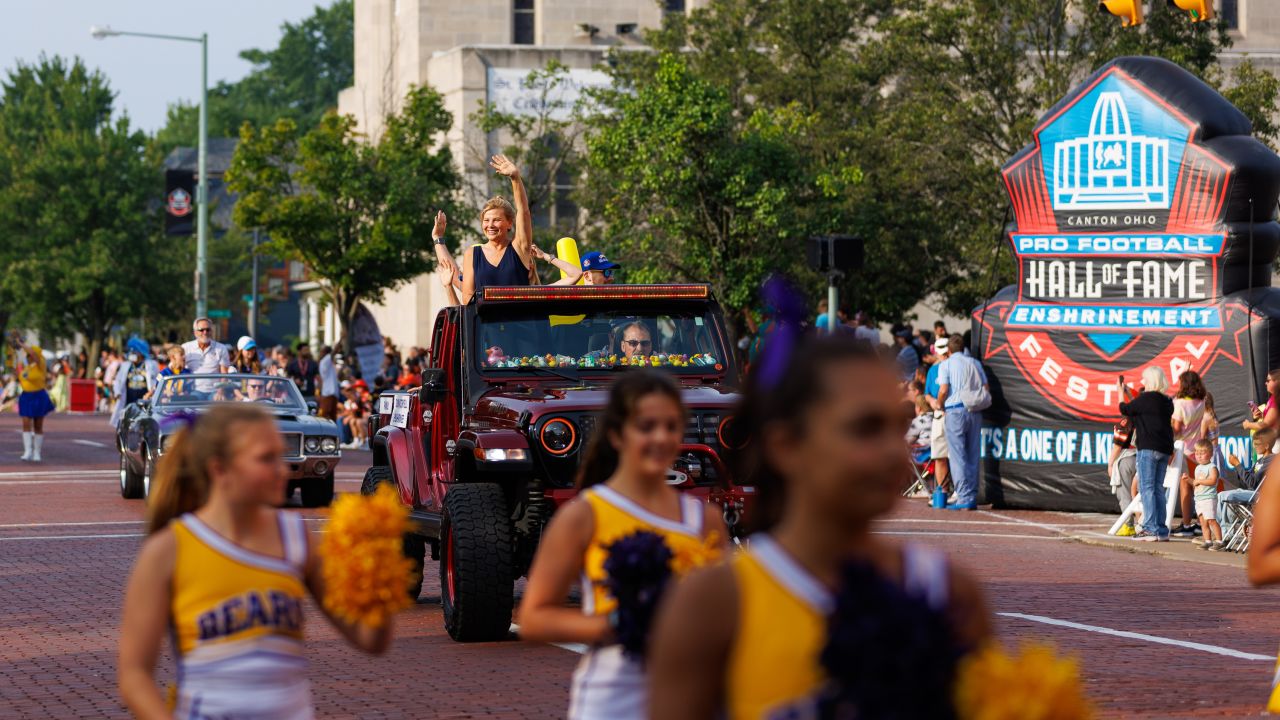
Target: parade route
[[1135, 615]]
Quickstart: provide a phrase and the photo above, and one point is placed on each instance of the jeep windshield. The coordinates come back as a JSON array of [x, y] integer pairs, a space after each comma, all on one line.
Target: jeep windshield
[[518, 339]]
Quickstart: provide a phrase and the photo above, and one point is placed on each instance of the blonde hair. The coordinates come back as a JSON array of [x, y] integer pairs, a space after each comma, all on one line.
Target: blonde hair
[[1153, 380], [499, 203], [181, 482]]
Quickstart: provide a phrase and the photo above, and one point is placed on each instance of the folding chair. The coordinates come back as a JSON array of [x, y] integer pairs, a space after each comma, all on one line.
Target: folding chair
[[923, 482], [1237, 535]]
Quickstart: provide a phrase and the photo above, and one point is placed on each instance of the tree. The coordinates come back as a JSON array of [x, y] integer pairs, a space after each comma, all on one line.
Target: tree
[[682, 190], [359, 214], [300, 79], [77, 204]]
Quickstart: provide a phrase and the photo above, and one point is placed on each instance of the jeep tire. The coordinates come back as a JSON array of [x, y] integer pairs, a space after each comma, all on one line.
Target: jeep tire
[[317, 492], [131, 487], [476, 590], [415, 547]]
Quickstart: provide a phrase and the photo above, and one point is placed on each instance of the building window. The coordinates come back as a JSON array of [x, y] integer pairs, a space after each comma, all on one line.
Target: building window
[[674, 6], [1230, 12], [557, 210], [522, 22]]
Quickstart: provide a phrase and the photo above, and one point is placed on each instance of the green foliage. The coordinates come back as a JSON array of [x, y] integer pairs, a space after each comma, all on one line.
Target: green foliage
[[682, 189], [358, 213], [300, 79], [77, 206]]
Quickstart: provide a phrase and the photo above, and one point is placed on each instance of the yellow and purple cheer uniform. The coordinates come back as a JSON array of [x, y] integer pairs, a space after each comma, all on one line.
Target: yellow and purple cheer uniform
[[34, 401], [607, 684], [774, 670], [237, 625]]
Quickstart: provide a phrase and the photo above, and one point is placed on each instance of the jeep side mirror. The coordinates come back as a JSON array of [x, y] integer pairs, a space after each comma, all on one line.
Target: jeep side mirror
[[433, 388], [313, 407]]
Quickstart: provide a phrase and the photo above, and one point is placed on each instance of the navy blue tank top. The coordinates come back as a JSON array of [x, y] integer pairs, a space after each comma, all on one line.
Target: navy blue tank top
[[508, 271]]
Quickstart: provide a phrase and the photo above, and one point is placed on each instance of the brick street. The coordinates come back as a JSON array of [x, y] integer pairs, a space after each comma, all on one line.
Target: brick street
[[69, 540]]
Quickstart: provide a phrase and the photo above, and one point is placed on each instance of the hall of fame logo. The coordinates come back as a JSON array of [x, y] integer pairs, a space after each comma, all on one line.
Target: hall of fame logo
[[1119, 248]]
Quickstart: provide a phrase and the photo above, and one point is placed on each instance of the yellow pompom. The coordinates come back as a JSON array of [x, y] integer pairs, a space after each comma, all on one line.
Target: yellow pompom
[[1036, 684], [364, 567], [686, 558]]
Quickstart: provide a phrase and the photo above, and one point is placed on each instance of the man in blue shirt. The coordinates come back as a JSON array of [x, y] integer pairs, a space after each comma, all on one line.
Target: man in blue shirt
[[908, 358], [962, 377]]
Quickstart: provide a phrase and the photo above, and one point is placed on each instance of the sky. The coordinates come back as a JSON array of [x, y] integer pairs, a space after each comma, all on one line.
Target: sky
[[146, 74]]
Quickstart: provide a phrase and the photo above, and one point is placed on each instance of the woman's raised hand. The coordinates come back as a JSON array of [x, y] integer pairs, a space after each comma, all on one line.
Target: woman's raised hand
[[503, 166], [437, 232]]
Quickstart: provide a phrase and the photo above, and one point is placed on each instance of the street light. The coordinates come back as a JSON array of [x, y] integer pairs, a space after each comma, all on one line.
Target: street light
[[100, 32]]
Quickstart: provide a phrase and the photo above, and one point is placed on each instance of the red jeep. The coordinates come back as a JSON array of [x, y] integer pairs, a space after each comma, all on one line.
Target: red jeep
[[487, 449]]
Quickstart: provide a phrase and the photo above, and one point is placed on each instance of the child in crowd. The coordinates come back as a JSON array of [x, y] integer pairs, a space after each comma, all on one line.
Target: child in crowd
[[224, 574], [1206, 495], [918, 434]]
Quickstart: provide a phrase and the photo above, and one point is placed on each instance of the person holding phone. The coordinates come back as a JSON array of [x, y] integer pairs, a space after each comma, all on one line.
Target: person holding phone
[[1266, 417], [1151, 414]]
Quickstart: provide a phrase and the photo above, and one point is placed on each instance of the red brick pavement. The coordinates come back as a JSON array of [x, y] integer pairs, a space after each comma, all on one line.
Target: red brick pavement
[[61, 598]]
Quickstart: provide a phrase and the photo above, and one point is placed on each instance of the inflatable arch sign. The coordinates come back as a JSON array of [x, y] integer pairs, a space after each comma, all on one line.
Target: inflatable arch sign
[[1145, 231]]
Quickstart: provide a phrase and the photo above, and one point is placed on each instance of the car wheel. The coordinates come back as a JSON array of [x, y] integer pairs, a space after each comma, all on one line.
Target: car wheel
[[317, 492], [131, 487], [415, 546], [476, 590]]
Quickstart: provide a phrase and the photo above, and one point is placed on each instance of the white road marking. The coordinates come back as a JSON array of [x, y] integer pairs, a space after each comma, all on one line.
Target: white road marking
[[69, 524], [90, 443], [927, 521], [571, 647], [72, 537], [1140, 636], [943, 533], [99, 481], [59, 473]]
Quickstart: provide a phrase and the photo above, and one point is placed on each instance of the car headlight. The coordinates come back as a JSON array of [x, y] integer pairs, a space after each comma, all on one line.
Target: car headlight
[[311, 444], [328, 445], [558, 436], [501, 454]]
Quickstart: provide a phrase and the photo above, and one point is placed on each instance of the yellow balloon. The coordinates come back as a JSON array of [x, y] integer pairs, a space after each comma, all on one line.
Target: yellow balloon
[[567, 250]]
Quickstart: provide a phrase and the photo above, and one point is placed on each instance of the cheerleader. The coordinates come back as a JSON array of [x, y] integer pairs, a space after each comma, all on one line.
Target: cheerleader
[[828, 456], [34, 402], [623, 479], [224, 573]]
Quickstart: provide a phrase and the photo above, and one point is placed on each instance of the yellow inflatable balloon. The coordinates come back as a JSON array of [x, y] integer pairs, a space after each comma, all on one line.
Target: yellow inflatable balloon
[[567, 250]]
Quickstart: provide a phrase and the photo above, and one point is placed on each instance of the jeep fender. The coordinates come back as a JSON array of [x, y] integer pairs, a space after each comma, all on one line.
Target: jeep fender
[[405, 459], [473, 466]]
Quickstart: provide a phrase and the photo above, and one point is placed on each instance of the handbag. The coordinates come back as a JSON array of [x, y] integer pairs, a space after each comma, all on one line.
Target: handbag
[[974, 394]]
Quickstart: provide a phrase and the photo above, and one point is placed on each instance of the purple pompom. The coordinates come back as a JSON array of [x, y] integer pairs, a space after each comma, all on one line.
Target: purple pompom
[[637, 568]]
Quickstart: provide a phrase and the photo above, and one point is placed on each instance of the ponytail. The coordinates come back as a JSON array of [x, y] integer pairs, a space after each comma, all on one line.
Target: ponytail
[[181, 482], [601, 458]]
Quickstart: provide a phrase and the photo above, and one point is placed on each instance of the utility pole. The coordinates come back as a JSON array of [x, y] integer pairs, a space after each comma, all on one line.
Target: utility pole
[[253, 291]]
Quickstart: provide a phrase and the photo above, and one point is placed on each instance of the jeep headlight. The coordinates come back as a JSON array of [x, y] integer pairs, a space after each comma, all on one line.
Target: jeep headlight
[[328, 445], [311, 444], [501, 454], [558, 436]]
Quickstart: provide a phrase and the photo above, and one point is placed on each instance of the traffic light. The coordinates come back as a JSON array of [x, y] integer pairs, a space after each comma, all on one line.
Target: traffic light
[[1130, 11], [1200, 10]]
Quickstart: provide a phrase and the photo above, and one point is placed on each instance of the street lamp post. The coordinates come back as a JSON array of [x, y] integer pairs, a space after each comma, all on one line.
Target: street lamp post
[[202, 179]]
